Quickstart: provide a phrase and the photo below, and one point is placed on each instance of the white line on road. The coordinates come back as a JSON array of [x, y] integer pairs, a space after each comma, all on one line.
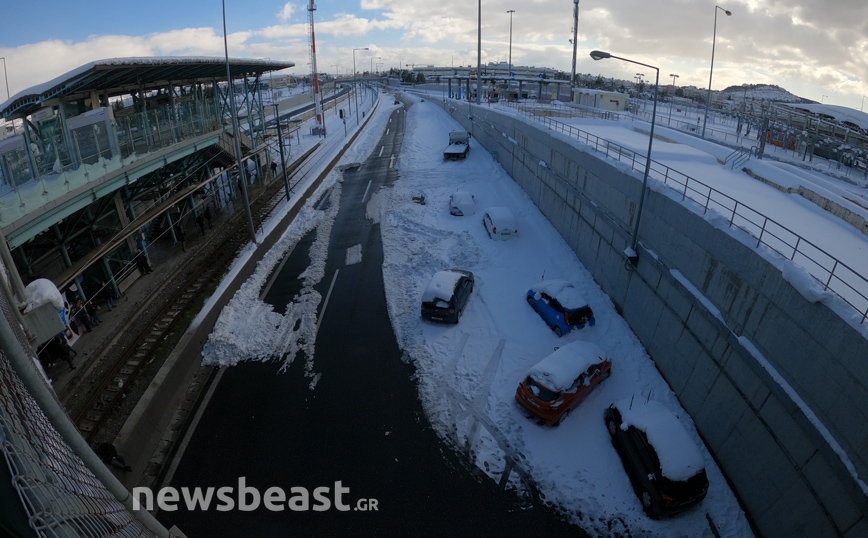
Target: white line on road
[[366, 190], [354, 255], [387, 131], [381, 151], [392, 161], [326, 302]]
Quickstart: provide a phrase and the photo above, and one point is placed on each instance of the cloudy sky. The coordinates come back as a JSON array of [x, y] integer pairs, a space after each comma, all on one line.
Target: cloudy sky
[[817, 49]]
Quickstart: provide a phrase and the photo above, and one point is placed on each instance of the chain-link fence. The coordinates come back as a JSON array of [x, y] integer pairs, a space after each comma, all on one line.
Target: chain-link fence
[[60, 495]]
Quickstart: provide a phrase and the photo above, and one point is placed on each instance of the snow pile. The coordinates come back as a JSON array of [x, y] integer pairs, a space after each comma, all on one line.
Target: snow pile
[[248, 328], [42, 291]]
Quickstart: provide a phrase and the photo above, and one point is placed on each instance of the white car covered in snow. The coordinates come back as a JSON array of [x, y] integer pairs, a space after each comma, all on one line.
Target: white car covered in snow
[[500, 223], [462, 204]]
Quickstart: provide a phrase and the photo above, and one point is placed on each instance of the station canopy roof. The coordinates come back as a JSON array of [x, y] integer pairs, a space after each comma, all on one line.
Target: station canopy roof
[[121, 75]]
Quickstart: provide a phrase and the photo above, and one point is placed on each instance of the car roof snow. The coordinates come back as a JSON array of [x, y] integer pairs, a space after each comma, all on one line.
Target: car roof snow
[[558, 370]]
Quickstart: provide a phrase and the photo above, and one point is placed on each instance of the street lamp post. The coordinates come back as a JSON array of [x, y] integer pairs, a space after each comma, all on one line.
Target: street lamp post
[[372, 63], [242, 177], [671, 99], [509, 69], [479, 55], [711, 71], [822, 98], [354, 85], [632, 254], [8, 96], [863, 103]]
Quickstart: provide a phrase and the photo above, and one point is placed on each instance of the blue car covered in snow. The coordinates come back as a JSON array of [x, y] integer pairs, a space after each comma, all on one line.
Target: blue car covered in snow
[[561, 305]]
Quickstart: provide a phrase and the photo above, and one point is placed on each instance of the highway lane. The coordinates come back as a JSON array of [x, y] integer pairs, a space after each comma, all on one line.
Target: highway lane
[[362, 424]]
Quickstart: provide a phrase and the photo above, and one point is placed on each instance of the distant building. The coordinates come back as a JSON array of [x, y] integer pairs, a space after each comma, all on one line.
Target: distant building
[[603, 99]]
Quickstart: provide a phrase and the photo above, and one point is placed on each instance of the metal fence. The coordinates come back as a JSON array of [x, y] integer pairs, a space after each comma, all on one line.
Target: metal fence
[[60, 495], [830, 272]]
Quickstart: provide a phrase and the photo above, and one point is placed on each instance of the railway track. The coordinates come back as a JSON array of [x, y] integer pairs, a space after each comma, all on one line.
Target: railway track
[[198, 276]]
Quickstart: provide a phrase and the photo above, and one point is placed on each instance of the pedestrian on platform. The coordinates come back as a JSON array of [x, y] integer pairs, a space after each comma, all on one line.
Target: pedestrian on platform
[[208, 216], [109, 454], [182, 238], [142, 262], [107, 294], [200, 220]]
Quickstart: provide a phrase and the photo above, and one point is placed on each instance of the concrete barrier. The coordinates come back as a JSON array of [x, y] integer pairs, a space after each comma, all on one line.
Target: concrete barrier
[[777, 385]]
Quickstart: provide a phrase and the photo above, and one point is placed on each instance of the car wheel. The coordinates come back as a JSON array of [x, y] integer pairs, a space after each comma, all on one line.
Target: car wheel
[[563, 417], [531, 302], [458, 316], [612, 427], [648, 503], [558, 331]]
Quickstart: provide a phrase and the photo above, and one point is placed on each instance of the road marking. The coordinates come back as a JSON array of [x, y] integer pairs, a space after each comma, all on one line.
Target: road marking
[[392, 161], [354, 255], [366, 190], [195, 422], [381, 151], [387, 131], [326, 302]]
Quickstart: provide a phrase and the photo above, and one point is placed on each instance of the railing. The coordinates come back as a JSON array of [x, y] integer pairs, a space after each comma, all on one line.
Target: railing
[[827, 270], [739, 157], [88, 153]]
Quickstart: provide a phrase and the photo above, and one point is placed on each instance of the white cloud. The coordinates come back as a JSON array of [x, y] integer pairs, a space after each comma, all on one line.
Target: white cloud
[[286, 13], [811, 47]]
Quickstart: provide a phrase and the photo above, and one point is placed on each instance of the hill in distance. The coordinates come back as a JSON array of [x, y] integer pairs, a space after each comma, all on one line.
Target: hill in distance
[[769, 92]]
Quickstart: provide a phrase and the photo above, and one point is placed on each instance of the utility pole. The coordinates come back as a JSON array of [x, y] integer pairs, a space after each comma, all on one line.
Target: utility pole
[[575, 45], [282, 158]]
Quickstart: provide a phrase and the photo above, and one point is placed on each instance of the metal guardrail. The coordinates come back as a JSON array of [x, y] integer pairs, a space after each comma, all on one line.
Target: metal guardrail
[[830, 272], [59, 494]]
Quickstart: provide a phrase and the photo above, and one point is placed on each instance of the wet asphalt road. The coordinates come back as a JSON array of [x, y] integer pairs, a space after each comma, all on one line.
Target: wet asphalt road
[[362, 425]]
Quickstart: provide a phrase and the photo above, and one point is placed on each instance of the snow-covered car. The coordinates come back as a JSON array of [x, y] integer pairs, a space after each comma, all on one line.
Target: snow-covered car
[[500, 223], [462, 204], [560, 382], [561, 305], [664, 464], [446, 295]]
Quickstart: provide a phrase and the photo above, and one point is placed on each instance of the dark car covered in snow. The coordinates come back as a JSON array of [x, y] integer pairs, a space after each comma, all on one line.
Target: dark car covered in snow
[[446, 295], [664, 464]]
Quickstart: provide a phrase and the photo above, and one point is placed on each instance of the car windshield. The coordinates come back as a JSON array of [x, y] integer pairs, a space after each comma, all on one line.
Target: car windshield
[[691, 487], [540, 391], [436, 303]]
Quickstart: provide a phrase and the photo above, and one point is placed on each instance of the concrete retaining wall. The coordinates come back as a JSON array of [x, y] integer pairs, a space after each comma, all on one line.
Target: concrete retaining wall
[[787, 472]]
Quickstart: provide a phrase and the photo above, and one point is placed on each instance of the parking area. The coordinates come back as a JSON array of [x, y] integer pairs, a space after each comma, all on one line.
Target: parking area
[[468, 372]]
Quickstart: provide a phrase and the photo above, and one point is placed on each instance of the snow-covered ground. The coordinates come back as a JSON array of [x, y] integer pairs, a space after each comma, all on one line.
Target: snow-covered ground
[[468, 373]]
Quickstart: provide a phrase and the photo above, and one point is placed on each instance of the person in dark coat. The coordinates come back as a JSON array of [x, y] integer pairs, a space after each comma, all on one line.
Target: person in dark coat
[[57, 350], [208, 217], [109, 454], [182, 238], [79, 317], [107, 294], [200, 220], [142, 263]]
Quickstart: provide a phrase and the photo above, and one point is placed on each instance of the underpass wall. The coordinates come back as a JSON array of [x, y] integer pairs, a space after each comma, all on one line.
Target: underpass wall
[[776, 384]]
